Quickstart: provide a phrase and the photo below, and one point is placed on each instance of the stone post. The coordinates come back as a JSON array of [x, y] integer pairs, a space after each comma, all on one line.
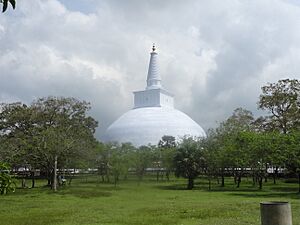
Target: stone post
[[275, 213]]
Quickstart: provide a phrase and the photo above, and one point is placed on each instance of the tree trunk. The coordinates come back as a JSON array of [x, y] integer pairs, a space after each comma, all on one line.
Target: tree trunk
[[107, 178], [168, 175], [70, 180], [23, 182], [32, 179], [115, 180], [222, 180], [190, 183], [55, 174], [260, 182], [239, 179]]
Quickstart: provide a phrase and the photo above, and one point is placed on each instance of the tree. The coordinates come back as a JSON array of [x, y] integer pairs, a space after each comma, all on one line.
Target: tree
[[167, 149], [189, 160], [119, 160], [256, 153], [292, 159], [240, 120], [218, 143], [282, 101], [102, 161], [15, 129], [228, 155], [64, 131], [49, 133], [5, 4], [167, 142], [143, 158]]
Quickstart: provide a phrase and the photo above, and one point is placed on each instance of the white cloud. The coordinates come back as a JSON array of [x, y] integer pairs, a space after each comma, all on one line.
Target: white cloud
[[214, 56]]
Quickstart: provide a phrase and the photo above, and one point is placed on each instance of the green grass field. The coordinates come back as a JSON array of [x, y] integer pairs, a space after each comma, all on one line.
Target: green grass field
[[149, 202]]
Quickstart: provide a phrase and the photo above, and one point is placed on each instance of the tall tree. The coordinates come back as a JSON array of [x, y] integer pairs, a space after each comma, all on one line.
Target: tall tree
[[115, 160], [291, 143], [228, 155], [211, 158], [102, 161], [64, 131], [217, 143], [256, 149], [167, 142], [144, 156], [167, 149], [241, 120], [189, 160], [16, 123], [50, 132], [282, 101]]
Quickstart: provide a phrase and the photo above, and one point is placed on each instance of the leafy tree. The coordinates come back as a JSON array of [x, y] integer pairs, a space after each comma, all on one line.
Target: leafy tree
[[5, 4], [49, 133], [102, 161], [119, 160], [189, 160], [144, 157], [114, 160], [64, 131], [218, 143], [167, 142], [167, 148], [256, 148], [211, 160], [282, 101], [240, 120], [223, 139], [277, 150], [292, 146], [16, 123]]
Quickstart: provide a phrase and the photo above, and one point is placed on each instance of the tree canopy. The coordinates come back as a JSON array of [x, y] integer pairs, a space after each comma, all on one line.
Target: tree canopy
[[51, 130], [282, 101]]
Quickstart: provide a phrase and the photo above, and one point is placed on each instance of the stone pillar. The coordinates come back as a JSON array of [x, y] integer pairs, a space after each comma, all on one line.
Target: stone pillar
[[275, 213]]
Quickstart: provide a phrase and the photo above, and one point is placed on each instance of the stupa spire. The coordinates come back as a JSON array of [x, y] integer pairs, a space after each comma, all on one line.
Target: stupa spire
[[153, 77]]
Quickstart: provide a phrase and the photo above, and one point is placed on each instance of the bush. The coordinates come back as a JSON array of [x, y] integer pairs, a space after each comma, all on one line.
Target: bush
[[6, 182]]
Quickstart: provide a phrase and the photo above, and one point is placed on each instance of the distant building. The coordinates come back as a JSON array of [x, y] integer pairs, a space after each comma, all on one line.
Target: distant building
[[153, 115]]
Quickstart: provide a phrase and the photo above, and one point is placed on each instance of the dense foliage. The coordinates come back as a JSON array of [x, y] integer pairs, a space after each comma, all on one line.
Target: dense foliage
[[51, 133], [56, 135]]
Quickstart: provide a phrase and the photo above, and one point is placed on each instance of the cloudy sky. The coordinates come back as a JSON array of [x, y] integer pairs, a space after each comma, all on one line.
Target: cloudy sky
[[214, 55]]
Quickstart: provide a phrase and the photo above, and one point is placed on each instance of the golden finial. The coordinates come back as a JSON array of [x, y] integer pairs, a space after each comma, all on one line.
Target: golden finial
[[153, 47]]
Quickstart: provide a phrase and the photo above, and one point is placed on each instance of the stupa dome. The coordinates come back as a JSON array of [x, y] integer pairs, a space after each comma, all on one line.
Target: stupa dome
[[153, 115], [146, 125]]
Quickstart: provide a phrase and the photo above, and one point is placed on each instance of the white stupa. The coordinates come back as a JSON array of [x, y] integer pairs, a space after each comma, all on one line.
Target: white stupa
[[152, 116]]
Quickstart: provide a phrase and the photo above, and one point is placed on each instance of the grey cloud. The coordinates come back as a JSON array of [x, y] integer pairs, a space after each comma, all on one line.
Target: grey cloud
[[214, 56]]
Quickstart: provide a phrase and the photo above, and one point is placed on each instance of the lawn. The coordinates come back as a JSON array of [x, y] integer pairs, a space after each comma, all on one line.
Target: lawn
[[88, 201]]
